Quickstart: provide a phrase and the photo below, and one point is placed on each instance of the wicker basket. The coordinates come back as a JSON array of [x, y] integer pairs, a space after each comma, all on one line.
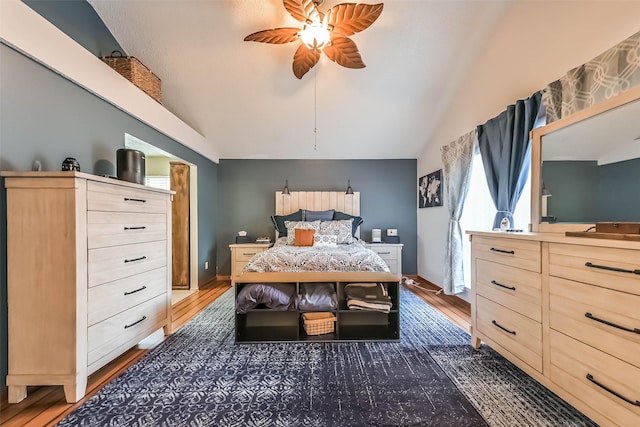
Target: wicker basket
[[319, 323], [135, 71]]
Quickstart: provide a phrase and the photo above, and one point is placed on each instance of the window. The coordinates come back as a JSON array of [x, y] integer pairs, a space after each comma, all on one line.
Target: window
[[479, 210], [161, 182]]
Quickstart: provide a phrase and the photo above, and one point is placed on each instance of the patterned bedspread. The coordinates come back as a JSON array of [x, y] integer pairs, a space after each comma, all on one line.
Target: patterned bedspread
[[282, 257]]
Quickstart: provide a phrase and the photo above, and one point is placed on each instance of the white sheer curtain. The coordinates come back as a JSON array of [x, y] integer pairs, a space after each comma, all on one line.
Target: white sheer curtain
[[456, 158]]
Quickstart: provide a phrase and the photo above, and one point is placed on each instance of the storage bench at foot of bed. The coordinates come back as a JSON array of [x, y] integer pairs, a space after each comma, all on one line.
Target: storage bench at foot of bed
[[262, 324]]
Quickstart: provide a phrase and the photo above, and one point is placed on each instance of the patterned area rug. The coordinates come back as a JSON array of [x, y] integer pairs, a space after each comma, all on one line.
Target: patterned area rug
[[432, 377]]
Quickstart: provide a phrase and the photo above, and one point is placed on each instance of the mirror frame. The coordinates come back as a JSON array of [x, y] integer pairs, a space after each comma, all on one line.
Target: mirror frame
[[630, 95]]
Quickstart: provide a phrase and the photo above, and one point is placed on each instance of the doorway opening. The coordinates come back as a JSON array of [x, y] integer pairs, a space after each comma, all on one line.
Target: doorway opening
[[167, 171]]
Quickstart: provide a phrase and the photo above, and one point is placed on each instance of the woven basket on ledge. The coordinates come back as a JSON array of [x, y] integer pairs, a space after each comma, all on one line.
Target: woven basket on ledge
[[136, 72]]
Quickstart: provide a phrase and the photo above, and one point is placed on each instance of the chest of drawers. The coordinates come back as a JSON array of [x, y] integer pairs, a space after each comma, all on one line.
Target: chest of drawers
[[566, 311], [89, 275], [508, 297], [241, 253], [391, 253]]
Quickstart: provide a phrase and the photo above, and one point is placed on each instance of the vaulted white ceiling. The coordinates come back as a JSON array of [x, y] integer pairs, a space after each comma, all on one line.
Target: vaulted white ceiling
[[243, 97], [425, 59]]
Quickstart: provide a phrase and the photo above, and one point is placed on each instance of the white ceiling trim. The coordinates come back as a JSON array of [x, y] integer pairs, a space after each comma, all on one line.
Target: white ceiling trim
[[30, 34]]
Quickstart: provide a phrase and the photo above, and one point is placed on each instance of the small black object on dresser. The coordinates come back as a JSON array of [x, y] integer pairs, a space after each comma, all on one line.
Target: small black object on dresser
[[243, 239]]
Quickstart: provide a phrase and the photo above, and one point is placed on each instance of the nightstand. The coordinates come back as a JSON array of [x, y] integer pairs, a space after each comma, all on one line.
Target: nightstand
[[391, 253], [241, 253]]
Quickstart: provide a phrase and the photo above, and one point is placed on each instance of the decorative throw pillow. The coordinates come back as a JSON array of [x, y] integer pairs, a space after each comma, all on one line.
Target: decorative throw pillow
[[279, 220], [303, 237], [319, 215], [292, 225], [326, 240], [356, 220], [342, 229]]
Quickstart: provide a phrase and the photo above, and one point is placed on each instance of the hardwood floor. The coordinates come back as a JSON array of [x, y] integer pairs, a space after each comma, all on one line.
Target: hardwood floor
[[45, 406]]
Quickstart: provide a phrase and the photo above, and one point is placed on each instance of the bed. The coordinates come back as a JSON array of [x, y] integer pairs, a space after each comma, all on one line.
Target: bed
[[317, 244], [332, 242]]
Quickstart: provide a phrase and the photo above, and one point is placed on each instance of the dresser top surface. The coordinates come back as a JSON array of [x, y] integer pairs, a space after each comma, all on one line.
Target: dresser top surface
[[81, 175], [557, 238]]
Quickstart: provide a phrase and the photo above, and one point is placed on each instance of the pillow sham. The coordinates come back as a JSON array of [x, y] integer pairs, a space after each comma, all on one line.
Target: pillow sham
[[278, 221], [356, 220], [303, 237], [341, 229], [319, 215], [292, 225], [325, 240]]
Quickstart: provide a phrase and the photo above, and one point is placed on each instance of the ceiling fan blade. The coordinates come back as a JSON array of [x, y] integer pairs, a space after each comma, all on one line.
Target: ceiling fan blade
[[301, 10], [343, 51], [304, 60], [350, 18], [274, 36]]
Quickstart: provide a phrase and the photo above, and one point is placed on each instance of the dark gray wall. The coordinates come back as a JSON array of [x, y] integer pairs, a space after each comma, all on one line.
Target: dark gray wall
[[78, 20], [619, 188], [46, 117], [387, 197], [572, 199], [582, 191]]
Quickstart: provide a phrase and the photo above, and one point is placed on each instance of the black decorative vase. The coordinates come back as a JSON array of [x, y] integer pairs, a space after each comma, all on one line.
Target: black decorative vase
[[131, 165], [70, 164]]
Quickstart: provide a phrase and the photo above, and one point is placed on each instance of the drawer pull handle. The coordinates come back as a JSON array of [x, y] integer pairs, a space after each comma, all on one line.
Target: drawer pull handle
[[135, 259], [135, 228], [606, 267], [606, 322], [129, 199], [503, 286], [503, 328], [136, 290], [502, 251], [615, 393], [136, 322], [384, 253], [248, 253]]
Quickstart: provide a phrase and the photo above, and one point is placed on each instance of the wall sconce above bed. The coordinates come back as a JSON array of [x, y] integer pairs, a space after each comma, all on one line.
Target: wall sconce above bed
[[285, 190], [349, 189]]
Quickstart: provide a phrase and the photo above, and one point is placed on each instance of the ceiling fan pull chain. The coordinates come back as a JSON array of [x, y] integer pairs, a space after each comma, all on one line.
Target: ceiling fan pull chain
[[315, 109]]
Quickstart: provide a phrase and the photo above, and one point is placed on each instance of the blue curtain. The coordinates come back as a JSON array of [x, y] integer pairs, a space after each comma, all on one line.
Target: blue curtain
[[505, 148]]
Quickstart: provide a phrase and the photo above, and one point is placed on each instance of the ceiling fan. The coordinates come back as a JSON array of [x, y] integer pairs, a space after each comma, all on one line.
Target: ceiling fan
[[327, 32]]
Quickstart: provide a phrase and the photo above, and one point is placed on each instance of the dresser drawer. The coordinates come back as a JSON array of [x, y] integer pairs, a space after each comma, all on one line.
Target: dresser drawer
[[122, 228], [386, 254], [125, 328], [112, 298], [514, 252], [117, 262], [589, 313], [590, 264], [118, 198], [518, 289], [514, 332], [572, 361], [245, 254]]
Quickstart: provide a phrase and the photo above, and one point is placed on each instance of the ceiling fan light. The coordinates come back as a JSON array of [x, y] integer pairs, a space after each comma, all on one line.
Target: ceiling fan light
[[315, 35]]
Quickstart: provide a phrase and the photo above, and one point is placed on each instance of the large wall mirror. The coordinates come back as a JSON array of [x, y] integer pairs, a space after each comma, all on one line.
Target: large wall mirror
[[586, 167]]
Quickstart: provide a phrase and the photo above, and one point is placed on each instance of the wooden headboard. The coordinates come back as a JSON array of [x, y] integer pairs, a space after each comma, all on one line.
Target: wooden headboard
[[318, 201]]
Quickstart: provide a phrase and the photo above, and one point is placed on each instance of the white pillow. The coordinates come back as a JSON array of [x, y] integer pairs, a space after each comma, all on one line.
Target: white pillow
[[325, 240], [340, 228], [292, 225]]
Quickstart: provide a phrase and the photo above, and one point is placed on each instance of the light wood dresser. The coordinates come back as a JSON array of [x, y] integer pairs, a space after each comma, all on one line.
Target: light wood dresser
[[241, 253], [566, 311], [89, 275]]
